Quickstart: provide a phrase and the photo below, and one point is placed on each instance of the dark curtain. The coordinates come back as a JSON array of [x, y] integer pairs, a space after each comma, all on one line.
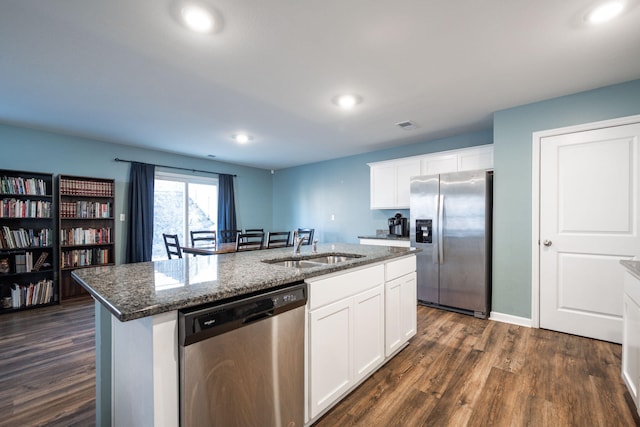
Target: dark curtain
[[140, 235], [226, 203]]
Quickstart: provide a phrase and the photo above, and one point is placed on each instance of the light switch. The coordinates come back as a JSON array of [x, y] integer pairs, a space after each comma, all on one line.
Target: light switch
[[121, 217]]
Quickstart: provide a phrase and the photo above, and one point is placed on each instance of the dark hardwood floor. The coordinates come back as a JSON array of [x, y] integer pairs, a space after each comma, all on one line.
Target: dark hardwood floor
[[462, 371], [457, 371], [47, 366]]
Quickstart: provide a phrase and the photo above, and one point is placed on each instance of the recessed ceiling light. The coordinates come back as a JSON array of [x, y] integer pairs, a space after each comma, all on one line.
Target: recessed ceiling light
[[347, 101], [197, 17], [605, 12], [241, 138]]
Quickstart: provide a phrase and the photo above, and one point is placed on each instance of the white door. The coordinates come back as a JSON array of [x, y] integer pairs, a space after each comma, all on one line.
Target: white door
[[589, 221]]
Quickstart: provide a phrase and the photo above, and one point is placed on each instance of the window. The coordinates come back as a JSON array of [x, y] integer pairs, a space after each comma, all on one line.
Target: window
[[182, 203]]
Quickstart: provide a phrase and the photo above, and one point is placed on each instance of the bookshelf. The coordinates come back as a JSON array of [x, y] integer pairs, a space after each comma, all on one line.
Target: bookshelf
[[87, 227], [28, 276]]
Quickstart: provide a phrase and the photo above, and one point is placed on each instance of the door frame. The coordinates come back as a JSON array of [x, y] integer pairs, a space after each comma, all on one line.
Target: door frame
[[535, 198]]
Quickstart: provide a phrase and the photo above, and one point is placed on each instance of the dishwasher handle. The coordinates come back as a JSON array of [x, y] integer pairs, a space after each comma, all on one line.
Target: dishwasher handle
[[257, 317]]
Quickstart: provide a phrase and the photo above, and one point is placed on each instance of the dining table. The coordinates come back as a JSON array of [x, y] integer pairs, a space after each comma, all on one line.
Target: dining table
[[222, 248]]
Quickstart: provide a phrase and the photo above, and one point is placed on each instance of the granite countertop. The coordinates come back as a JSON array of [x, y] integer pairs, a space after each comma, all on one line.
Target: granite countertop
[[633, 266], [132, 291], [384, 237]]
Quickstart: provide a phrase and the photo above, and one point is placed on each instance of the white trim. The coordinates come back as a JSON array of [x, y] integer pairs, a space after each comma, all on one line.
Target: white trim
[[509, 318], [535, 198]]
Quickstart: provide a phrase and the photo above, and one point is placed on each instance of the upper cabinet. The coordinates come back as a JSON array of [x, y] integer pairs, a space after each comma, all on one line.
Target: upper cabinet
[[390, 180], [390, 183]]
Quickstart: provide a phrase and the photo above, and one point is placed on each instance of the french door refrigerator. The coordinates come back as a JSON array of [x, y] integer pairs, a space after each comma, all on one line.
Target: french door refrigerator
[[451, 217]]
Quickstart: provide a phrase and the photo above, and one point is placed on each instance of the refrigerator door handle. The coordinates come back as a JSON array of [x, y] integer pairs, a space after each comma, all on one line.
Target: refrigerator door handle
[[435, 232], [440, 229]]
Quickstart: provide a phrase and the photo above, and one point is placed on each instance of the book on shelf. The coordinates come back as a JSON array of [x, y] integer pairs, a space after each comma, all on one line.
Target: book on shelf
[[24, 238], [20, 185], [14, 208], [85, 187], [85, 209], [84, 257], [37, 293], [40, 261], [85, 236]]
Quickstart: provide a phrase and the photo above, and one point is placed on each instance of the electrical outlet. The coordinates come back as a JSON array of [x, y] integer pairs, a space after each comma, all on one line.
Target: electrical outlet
[[333, 217]]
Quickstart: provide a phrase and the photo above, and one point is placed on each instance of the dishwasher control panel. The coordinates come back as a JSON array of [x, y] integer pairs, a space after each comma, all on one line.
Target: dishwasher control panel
[[203, 322]]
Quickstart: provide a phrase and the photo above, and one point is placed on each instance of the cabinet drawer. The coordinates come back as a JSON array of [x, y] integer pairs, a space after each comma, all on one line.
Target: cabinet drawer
[[324, 291], [400, 267]]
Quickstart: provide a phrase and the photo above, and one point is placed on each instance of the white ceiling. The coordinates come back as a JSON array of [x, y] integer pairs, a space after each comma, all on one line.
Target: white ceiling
[[125, 71]]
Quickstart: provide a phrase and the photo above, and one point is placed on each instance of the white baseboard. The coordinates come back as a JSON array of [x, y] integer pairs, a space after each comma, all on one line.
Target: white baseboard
[[509, 318]]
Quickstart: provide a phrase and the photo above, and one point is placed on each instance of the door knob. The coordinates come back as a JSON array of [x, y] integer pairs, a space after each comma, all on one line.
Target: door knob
[[547, 243]]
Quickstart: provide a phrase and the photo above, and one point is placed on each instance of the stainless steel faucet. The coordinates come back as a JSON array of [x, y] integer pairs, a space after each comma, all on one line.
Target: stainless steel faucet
[[297, 242]]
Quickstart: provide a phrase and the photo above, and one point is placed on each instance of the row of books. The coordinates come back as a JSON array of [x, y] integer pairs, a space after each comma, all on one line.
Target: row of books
[[24, 262], [76, 187], [84, 257], [32, 294], [13, 208], [83, 209], [18, 185], [85, 236], [25, 238]]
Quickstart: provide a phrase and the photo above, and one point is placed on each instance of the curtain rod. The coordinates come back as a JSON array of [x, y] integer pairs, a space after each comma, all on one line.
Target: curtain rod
[[172, 167]]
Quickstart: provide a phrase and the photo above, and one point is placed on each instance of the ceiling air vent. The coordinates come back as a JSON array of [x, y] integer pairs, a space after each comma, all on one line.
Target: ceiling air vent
[[407, 125]]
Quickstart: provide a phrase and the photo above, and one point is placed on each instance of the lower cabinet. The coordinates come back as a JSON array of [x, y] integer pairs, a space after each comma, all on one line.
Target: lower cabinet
[[356, 321], [631, 337], [401, 305], [346, 338]]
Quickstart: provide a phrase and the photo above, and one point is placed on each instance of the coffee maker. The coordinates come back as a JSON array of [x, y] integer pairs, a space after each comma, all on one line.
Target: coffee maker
[[398, 226]]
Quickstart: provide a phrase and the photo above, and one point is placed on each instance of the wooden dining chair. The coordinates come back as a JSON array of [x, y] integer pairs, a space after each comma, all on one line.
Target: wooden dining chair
[[227, 236], [203, 238], [254, 230], [172, 245], [306, 232], [249, 241], [278, 239]]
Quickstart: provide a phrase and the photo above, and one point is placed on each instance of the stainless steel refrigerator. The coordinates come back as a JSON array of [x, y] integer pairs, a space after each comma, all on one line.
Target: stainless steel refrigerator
[[451, 216]]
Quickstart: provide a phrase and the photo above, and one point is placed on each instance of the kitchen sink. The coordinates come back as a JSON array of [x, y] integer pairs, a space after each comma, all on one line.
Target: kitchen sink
[[332, 259], [295, 263], [308, 261]]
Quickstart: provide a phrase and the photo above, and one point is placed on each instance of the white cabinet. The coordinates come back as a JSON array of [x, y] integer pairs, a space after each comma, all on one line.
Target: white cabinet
[[346, 333], [331, 350], [368, 328], [631, 337], [400, 303], [348, 327], [475, 158], [433, 164], [390, 183], [390, 179]]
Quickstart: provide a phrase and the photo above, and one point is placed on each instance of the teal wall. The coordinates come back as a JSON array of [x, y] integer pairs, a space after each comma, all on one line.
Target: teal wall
[[512, 138], [38, 151], [307, 196]]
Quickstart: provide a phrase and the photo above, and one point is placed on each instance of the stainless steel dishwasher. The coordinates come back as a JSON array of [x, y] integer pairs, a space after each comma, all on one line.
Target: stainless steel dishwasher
[[242, 363]]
